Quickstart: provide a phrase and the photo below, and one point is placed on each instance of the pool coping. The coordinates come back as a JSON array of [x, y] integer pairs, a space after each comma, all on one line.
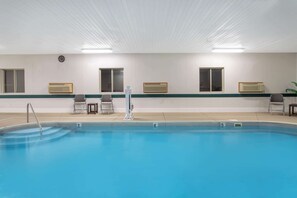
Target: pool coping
[[141, 123]]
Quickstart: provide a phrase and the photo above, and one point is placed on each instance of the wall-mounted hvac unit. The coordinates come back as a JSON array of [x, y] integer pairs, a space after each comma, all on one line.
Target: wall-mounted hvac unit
[[155, 87], [251, 87], [60, 88]]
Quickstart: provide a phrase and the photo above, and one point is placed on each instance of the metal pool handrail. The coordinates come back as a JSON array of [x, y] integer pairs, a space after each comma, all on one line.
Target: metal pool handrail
[[38, 123]]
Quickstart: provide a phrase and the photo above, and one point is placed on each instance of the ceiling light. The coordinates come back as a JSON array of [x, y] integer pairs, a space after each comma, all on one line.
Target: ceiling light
[[96, 50], [228, 50]]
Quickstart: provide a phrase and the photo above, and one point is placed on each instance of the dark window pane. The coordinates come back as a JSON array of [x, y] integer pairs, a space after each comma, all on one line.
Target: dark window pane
[[2, 79], [204, 79], [9, 81], [105, 80], [118, 80], [20, 80], [216, 80]]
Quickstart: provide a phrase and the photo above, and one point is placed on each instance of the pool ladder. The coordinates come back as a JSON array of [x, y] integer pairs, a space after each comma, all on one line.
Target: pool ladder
[[28, 119]]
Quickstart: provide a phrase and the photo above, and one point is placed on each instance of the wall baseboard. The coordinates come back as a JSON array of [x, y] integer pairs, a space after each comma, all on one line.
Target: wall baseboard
[[60, 105]]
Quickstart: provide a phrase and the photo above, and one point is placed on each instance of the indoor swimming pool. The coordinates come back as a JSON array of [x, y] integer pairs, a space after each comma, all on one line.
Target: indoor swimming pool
[[149, 160]]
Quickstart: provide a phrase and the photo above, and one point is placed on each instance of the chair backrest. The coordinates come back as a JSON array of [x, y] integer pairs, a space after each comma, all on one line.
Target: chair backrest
[[79, 98], [106, 98], [276, 98]]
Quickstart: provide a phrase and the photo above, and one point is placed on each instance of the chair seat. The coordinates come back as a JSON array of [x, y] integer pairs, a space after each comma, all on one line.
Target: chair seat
[[79, 103], [277, 103], [106, 102]]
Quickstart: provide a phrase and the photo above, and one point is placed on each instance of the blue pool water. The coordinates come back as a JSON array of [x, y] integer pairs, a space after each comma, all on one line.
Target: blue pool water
[[176, 161]]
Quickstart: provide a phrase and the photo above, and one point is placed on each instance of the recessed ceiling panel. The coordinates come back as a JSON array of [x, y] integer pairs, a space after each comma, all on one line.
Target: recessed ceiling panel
[[147, 26]]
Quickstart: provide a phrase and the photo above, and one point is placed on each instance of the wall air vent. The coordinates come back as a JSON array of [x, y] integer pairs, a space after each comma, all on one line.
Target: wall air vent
[[251, 87], [155, 87], [57, 88]]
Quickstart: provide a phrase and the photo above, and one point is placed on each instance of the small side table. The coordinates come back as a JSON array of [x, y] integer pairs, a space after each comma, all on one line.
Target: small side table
[[92, 108], [291, 109]]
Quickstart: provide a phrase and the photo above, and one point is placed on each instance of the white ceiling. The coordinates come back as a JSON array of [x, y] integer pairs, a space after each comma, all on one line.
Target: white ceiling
[[147, 26]]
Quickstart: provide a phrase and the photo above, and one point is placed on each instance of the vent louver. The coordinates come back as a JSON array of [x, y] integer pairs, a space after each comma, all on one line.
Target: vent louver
[[60, 88], [155, 87], [251, 87]]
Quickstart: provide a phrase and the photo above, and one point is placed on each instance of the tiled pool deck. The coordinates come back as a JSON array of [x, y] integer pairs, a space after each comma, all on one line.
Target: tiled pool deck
[[10, 119]]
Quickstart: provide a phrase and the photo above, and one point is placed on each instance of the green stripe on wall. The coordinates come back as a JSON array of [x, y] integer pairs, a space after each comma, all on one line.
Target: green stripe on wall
[[16, 96]]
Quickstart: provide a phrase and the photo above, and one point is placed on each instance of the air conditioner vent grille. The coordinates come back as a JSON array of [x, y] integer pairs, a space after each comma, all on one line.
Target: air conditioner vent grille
[[251, 87], [60, 88], [155, 87]]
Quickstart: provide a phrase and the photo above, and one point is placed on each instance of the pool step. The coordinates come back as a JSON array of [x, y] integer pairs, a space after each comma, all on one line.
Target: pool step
[[48, 135], [31, 136], [31, 133]]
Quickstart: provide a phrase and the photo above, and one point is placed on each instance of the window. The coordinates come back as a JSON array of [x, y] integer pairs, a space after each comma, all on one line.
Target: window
[[12, 81], [112, 80], [211, 79]]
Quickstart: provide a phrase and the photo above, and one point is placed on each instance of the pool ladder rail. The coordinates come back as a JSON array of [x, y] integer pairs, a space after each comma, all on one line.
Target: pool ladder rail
[[29, 105]]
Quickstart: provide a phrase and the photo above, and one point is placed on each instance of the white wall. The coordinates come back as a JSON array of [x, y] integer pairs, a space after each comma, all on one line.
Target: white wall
[[181, 71], [296, 68]]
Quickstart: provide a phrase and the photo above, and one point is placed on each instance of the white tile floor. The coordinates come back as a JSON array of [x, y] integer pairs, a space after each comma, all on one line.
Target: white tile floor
[[10, 119]]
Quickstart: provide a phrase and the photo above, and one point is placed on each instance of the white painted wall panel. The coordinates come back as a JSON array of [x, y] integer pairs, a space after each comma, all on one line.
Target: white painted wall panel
[[179, 70]]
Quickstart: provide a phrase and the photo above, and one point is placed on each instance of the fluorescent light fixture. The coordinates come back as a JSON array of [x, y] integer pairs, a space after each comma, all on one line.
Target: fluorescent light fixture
[[96, 50], [228, 50]]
